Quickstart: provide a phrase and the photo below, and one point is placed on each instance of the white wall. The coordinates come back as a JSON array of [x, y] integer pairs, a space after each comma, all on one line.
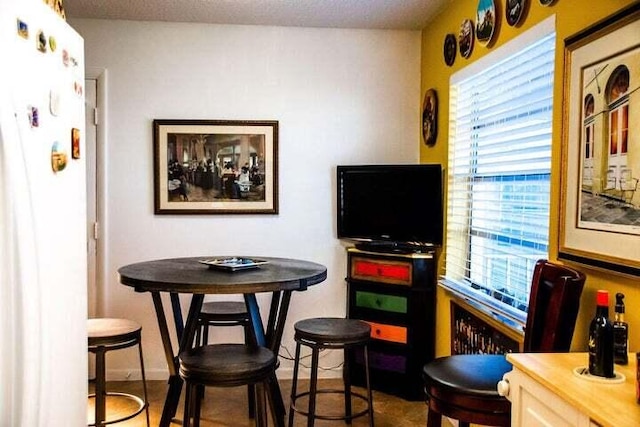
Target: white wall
[[340, 96]]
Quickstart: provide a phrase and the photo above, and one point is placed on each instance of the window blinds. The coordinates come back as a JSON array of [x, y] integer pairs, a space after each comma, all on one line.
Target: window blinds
[[499, 177]]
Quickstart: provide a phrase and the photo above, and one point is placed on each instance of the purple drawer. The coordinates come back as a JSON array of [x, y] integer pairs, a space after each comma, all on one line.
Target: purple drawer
[[383, 361]]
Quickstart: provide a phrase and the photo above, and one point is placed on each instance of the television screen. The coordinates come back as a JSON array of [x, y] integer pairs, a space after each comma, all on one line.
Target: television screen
[[390, 203]]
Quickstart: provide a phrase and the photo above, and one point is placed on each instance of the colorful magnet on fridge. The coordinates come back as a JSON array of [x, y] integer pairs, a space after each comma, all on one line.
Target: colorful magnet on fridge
[[23, 29], [54, 102], [34, 119], [75, 143], [65, 57], [53, 45], [41, 42], [58, 157], [77, 88]]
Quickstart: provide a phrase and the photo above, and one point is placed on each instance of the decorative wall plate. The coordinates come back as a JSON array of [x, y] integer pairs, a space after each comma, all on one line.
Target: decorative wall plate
[[485, 21], [546, 2], [514, 11], [450, 49], [430, 117], [465, 38]]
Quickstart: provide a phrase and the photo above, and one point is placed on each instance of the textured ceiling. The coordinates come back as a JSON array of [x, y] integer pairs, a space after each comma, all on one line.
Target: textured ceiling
[[369, 14]]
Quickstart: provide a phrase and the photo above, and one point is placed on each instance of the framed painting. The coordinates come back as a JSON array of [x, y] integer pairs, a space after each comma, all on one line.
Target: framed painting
[[600, 202], [215, 167]]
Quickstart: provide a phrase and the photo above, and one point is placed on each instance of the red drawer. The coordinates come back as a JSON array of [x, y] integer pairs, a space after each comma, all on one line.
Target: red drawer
[[394, 272]]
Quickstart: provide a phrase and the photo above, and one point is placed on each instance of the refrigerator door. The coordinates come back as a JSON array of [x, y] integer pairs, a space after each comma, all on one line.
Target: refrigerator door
[[43, 341]]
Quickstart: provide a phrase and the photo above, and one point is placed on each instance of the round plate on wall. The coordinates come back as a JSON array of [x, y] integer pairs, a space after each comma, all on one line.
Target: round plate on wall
[[430, 117], [514, 11], [465, 38], [450, 49], [546, 2], [485, 21]]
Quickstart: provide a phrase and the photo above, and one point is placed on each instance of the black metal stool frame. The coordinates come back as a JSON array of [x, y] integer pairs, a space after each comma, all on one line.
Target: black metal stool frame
[[101, 392], [311, 414]]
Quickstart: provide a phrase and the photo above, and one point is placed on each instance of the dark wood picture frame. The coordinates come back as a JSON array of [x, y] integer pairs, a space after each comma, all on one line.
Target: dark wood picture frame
[[215, 167]]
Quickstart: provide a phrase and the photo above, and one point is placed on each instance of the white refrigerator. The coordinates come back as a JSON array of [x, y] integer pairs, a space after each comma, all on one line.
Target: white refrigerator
[[43, 267]]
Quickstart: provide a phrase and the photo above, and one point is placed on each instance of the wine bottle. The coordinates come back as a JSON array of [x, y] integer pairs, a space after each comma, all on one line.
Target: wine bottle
[[620, 333], [601, 339]]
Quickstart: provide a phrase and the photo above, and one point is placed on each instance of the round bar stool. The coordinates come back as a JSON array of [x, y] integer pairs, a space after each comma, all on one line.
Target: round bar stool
[[330, 333], [226, 365], [114, 334], [221, 313], [225, 313]]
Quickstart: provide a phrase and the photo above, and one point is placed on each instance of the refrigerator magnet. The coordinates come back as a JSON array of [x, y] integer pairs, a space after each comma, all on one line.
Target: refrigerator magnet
[[65, 57], [41, 42], [58, 158], [75, 143], [23, 28], [34, 119], [54, 102], [53, 45]]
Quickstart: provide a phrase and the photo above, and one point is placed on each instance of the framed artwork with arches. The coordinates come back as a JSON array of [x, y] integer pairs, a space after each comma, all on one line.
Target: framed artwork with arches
[[600, 197]]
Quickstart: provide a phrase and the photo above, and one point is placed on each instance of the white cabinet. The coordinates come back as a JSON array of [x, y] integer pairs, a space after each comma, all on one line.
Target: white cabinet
[[545, 392]]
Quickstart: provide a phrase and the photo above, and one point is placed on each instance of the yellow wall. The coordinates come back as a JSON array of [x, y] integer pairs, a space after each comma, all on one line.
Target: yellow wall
[[571, 17]]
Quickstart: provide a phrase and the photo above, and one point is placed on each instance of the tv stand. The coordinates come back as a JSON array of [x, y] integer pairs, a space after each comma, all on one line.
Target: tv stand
[[390, 247]]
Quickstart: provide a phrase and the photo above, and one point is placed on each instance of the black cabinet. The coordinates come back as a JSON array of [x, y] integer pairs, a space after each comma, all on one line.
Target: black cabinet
[[395, 293]]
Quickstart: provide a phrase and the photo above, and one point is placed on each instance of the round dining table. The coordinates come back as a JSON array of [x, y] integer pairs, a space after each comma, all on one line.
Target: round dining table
[[277, 276]]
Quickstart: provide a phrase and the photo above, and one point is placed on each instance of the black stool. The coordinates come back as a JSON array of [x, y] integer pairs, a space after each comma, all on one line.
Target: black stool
[[225, 313], [113, 334], [221, 313], [330, 333], [226, 365]]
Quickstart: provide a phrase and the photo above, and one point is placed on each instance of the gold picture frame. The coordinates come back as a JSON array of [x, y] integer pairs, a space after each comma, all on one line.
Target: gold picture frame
[[215, 167], [599, 206]]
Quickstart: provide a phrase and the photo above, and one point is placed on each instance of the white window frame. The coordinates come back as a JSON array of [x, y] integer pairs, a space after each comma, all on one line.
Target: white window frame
[[463, 289]]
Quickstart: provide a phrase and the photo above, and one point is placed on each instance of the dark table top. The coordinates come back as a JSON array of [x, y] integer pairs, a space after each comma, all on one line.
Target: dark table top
[[187, 275]]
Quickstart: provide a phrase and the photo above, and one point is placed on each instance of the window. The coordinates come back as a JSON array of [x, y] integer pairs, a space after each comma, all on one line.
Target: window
[[499, 172]]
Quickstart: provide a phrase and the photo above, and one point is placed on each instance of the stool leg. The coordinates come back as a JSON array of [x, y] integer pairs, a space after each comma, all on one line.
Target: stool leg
[[346, 379], [101, 391], [369, 393], [199, 395], [144, 382], [260, 404], [294, 384], [251, 392], [188, 403], [313, 388]]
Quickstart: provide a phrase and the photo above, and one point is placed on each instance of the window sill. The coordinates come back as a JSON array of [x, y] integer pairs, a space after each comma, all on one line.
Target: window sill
[[512, 321]]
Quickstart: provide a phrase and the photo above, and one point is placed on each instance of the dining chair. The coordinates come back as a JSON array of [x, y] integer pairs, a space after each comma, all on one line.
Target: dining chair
[[464, 387]]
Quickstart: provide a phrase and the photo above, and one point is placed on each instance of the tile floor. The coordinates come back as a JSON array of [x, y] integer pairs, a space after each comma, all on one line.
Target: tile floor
[[227, 407]]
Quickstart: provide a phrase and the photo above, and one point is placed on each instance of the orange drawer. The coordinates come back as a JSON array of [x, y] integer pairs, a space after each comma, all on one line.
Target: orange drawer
[[393, 272], [380, 331]]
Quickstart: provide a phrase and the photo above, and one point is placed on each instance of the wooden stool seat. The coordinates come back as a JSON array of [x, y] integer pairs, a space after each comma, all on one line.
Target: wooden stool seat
[[226, 365], [465, 387], [333, 333], [103, 335]]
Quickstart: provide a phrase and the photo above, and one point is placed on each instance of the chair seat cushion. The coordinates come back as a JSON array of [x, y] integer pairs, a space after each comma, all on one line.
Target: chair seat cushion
[[469, 374]]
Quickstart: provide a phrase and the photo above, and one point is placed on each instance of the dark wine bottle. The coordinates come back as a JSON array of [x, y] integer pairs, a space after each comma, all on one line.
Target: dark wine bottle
[[601, 339], [620, 333]]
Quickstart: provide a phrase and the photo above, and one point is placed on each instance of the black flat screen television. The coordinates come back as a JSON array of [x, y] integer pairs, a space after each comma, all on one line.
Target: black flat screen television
[[390, 207]]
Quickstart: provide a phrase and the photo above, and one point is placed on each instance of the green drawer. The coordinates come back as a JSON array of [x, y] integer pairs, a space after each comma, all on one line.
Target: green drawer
[[382, 302]]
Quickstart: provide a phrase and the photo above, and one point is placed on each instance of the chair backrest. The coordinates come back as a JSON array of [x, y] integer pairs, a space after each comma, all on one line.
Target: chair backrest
[[553, 307]]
